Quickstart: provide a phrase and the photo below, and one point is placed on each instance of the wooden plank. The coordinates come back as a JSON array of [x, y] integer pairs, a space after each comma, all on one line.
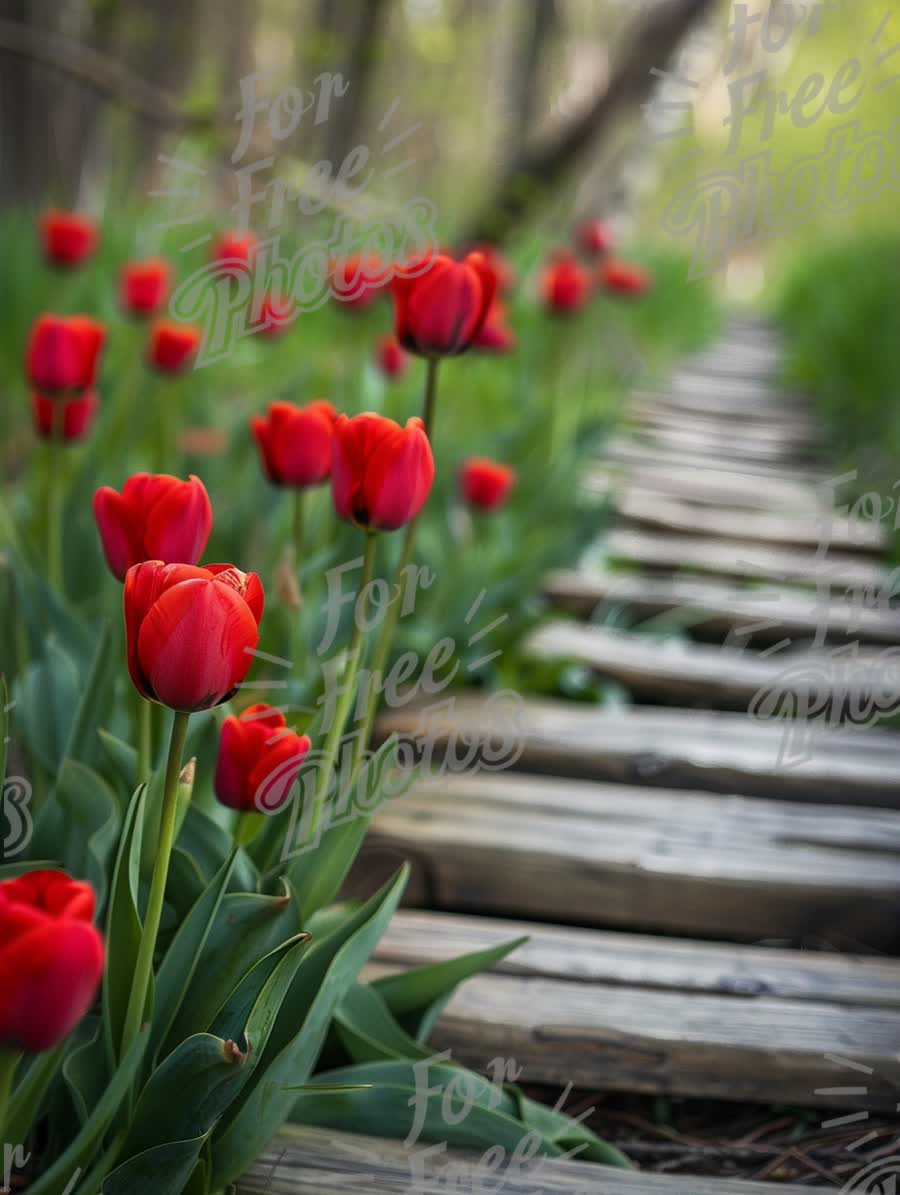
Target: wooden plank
[[310, 1161], [720, 446], [777, 430], [837, 570], [715, 486], [835, 682], [617, 855], [764, 613], [804, 529], [712, 405], [713, 751], [629, 451], [601, 1035]]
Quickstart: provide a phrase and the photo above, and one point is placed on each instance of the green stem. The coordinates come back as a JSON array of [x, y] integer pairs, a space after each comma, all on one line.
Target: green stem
[[144, 967], [428, 406], [297, 527], [247, 826], [55, 482], [385, 640], [144, 739], [9, 1060], [357, 643]]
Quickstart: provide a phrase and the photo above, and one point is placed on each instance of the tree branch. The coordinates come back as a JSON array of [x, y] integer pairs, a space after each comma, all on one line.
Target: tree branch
[[536, 170]]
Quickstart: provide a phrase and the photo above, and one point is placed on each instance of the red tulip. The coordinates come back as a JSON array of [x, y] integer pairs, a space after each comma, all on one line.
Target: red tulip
[[295, 442], [172, 346], [358, 281], [439, 313], [64, 352], [484, 483], [191, 632], [496, 264], [594, 238], [144, 286], [51, 959], [621, 278], [381, 473], [390, 357], [565, 285], [67, 238], [496, 336], [154, 518], [77, 416], [234, 246], [259, 758]]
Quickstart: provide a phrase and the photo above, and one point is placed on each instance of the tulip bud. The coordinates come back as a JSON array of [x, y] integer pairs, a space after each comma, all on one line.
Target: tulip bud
[[67, 238], [191, 632], [234, 246], [172, 346], [565, 285], [440, 312], [295, 442], [390, 358], [67, 419], [381, 473], [259, 758], [622, 278], [144, 286], [51, 959], [156, 517], [276, 316], [594, 238], [496, 265], [357, 281], [496, 336], [484, 483], [63, 353]]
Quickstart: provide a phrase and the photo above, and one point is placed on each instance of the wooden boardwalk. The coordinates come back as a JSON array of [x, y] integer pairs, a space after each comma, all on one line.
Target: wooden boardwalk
[[734, 592]]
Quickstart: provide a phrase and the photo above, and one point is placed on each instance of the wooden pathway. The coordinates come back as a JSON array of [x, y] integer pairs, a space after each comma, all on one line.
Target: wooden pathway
[[733, 593]]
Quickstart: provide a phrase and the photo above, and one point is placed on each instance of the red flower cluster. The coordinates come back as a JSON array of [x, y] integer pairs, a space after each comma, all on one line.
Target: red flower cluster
[[358, 281], [259, 758], [67, 238], [440, 312], [295, 442], [234, 246], [382, 473], [144, 286], [191, 632], [484, 483], [154, 518], [51, 959]]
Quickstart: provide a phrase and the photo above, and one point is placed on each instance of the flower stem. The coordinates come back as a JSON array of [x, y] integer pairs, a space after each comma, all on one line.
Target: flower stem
[[144, 739], [297, 527], [357, 644], [55, 482], [168, 816], [388, 629], [9, 1060]]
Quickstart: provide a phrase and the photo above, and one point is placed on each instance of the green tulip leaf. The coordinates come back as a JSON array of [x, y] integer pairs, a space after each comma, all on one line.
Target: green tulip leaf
[[163, 1168], [182, 957], [368, 1031], [82, 742], [123, 925], [231, 1019], [326, 972], [46, 693], [246, 927], [122, 756], [28, 1094]]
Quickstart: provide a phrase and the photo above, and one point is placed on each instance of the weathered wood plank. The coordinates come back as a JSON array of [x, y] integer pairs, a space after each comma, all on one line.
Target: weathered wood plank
[[415, 937], [777, 430], [712, 405], [767, 613], [837, 570], [721, 486], [716, 752], [309, 1161], [630, 451], [805, 529], [616, 1036], [835, 682], [719, 446], [615, 855]]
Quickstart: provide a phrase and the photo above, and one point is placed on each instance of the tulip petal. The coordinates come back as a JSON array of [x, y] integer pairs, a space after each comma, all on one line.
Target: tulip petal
[[179, 523], [113, 520]]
